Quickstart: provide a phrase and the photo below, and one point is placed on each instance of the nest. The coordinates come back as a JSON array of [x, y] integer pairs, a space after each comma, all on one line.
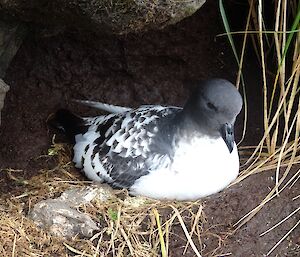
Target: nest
[[127, 225], [145, 227]]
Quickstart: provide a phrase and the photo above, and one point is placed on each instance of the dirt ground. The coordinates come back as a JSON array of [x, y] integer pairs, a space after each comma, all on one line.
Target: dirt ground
[[155, 67]]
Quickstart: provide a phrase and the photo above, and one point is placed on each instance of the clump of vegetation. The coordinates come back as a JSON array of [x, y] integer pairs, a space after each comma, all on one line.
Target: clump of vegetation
[[280, 145]]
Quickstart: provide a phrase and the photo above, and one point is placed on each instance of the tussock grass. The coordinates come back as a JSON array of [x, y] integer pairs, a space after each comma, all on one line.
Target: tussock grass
[[279, 147]]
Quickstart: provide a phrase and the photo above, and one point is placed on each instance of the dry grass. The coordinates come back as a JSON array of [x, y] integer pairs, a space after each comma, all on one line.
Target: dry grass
[[279, 147], [129, 226]]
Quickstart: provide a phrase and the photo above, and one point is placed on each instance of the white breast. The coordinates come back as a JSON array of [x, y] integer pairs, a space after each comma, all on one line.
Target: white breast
[[200, 168]]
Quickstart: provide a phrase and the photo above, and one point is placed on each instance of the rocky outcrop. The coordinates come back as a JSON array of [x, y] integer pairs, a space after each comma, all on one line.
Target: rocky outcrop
[[117, 16], [3, 90], [11, 37]]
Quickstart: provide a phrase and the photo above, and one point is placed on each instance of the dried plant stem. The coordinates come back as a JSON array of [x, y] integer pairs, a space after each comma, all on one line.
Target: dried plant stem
[[195, 223], [186, 231], [283, 238], [161, 236], [262, 54], [279, 223]]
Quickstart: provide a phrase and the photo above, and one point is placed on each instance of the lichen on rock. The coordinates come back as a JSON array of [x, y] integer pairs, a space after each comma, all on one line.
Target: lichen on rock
[[116, 17]]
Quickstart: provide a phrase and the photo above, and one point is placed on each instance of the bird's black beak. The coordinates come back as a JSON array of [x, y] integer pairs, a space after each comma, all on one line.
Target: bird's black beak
[[227, 133]]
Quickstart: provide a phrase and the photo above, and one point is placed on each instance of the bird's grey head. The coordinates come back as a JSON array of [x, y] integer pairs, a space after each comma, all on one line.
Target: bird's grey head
[[213, 106]]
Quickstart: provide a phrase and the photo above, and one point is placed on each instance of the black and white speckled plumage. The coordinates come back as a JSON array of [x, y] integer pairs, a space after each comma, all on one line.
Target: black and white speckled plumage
[[124, 143], [157, 151]]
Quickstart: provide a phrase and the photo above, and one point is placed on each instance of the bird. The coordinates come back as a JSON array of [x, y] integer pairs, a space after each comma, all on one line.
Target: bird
[[162, 152]]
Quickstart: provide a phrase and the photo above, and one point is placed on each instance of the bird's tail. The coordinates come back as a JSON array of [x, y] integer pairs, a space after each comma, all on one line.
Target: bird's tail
[[69, 123]]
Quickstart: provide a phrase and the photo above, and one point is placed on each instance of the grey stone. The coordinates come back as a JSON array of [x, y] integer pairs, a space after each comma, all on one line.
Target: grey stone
[[3, 90], [61, 216], [11, 38], [117, 16]]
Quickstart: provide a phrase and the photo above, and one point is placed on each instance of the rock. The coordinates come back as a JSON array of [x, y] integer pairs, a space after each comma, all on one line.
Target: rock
[[61, 217], [116, 17], [11, 38], [3, 90], [62, 220]]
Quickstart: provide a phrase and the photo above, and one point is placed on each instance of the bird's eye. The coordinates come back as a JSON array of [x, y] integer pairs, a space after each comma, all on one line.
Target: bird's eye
[[212, 106]]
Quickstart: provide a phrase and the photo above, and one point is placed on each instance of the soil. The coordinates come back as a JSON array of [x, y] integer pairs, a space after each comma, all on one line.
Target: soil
[[156, 67]]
